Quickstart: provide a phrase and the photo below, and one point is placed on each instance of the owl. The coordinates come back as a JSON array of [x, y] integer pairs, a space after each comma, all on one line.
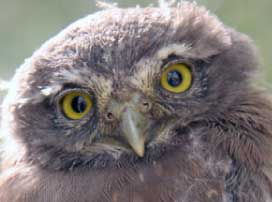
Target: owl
[[153, 104]]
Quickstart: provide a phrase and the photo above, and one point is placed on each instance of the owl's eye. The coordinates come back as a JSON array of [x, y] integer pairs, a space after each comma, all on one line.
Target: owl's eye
[[75, 105], [176, 78]]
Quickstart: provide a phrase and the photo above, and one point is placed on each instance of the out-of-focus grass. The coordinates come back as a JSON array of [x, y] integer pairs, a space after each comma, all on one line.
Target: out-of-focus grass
[[25, 25]]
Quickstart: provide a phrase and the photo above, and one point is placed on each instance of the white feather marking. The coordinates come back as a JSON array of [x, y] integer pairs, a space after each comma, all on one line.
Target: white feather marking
[[176, 49], [51, 90], [106, 5]]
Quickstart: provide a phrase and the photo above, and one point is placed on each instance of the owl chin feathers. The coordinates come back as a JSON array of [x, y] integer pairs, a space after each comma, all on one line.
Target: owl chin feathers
[[106, 156]]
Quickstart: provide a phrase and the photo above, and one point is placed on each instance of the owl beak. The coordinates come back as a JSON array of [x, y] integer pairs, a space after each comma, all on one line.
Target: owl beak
[[132, 125]]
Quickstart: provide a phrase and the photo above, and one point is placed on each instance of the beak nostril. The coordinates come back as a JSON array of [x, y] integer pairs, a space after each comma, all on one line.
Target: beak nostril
[[109, 116], [146, 106]]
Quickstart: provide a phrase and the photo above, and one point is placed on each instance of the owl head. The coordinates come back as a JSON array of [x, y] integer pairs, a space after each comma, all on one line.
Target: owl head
[[126, 85]]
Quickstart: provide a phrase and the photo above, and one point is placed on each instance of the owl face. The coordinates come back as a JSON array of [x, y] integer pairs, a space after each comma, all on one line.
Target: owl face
[[129, 84]]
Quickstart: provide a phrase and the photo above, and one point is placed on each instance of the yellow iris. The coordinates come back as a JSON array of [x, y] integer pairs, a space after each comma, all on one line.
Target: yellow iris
[[176, 78], [75, 105]]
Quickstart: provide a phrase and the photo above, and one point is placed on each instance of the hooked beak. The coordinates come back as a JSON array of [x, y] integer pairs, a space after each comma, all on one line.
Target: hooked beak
[[133, 124]]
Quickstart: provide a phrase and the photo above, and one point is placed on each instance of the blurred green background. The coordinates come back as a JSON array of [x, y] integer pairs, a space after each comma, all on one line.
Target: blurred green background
[[26, 24]]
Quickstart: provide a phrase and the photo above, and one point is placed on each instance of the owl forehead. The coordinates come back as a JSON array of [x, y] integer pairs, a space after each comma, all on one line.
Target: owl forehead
[[121, 41], [118, 38]]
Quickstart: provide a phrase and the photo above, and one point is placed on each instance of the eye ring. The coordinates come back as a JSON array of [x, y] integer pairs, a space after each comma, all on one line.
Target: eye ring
[[177, 78], [75, 104]]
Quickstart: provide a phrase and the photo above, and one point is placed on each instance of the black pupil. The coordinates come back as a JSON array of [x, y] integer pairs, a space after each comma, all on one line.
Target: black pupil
[[79, 104], [174, 78]]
